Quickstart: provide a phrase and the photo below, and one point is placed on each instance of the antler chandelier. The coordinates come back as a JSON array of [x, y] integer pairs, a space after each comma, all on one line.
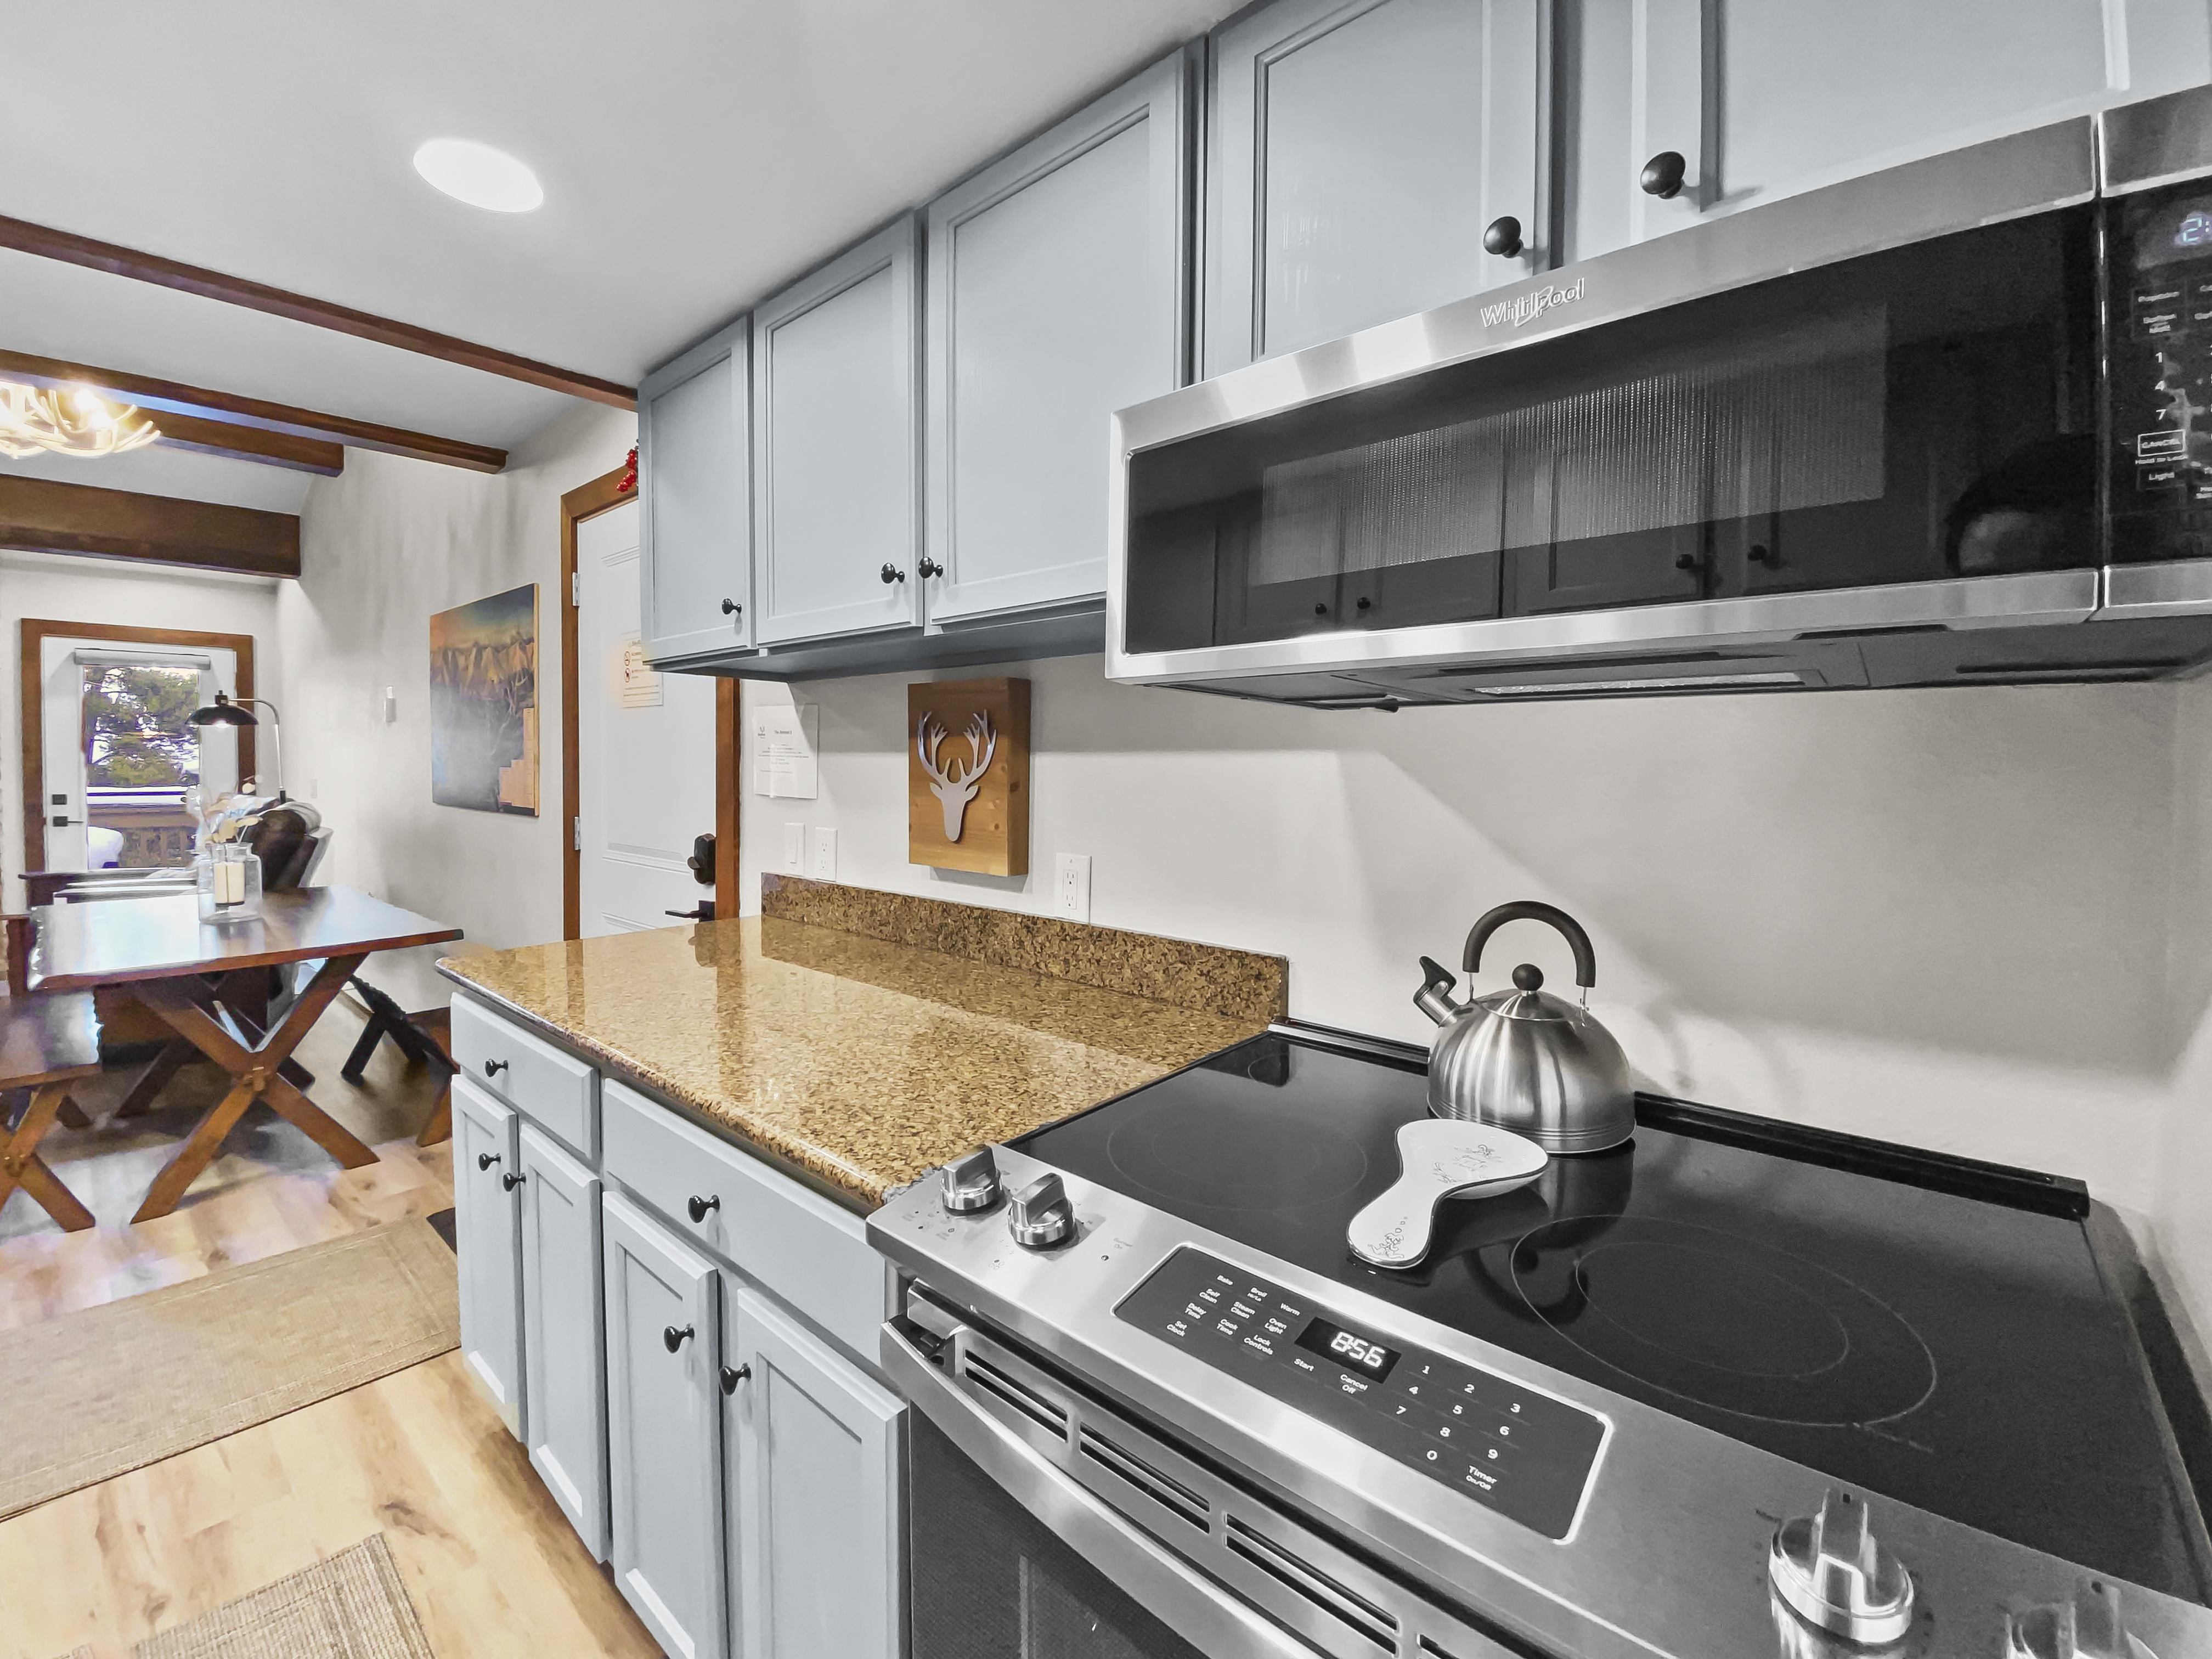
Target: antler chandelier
[[67, 420]]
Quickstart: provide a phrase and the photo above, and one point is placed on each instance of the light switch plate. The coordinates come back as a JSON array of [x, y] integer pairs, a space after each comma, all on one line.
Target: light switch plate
[[1071, 888], [794, 848], [825, 855], [389, 705]]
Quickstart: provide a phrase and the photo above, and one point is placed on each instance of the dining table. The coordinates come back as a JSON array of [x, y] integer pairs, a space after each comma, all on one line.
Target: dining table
[[197, 977]]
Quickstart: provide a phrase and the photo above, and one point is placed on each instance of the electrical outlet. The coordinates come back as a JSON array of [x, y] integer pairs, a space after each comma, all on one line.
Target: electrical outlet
[[825, 854], [794, 848], [1071, 891], [389, 705]]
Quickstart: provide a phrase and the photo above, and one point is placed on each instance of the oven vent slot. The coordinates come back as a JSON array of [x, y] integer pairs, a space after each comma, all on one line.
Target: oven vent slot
[[1023, 1398], [1354, 1611], [1171, 1493]]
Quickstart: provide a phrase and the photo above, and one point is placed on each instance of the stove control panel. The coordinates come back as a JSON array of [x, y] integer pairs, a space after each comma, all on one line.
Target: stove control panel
[[1525, 1455]]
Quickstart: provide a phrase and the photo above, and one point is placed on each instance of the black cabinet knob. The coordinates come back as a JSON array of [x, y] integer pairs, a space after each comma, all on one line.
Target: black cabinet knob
[[891, 573], [698, 1206], [929, 567], [1687, 562], [494, 1067], [510, 1183], [1762, 555], [731, 1378], [485, 1160], [1365, 603], [730, 607], [1320, 611], [672, 1339], [1503, 237], [1663, 175]]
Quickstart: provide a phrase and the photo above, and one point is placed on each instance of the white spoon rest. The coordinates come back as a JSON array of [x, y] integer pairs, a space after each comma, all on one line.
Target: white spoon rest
[[1440, 1156]]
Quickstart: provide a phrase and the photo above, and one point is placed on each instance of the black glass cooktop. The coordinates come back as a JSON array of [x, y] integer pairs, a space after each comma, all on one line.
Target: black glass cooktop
[[1819, 1297]]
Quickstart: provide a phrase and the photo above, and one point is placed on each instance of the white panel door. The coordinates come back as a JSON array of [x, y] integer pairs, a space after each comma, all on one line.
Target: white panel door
[[564, 1339], [645, 747], [694, 475], [1056, 297], [837, 445], [813, 1495], [1360, 148], [487, 1237], [664, 1432]]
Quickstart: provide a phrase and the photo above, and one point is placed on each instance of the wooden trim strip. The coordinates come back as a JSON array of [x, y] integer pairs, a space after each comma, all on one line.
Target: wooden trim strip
[[49, 244], [174, 396], [31, 704], [42, 516], [584, 502]]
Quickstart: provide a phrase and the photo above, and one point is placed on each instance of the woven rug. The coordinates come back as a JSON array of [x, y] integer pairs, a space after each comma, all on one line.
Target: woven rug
[[352, 1606], [112, 1389]]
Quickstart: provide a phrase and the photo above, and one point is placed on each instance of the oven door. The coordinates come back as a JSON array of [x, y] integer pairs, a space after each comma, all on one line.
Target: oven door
[[1040, 1522]]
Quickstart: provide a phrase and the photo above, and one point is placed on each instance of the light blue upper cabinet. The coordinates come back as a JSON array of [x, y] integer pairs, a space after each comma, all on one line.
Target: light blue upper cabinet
[[1766, 98], [693, 467], [837, 445], [1058, 282], [1358, 153]]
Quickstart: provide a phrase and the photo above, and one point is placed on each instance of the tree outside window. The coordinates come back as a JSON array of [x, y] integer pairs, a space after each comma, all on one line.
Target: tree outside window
[[136, 733]]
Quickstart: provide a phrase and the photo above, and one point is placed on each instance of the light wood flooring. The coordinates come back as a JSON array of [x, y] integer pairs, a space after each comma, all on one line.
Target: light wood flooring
[[490, 1564]]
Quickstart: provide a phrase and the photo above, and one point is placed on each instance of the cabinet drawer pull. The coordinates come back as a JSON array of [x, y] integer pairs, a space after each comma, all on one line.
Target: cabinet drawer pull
[[485, 1160], [1663, 174], [929, 567], [698, 1206], [1503, 238], [891, 573], [494, 1067], [510, 1183], [731, 1378], [730, 607], [672, 1339]]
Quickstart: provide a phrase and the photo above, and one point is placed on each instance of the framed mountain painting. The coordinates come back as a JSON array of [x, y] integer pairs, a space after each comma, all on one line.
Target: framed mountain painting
[[483, 704]]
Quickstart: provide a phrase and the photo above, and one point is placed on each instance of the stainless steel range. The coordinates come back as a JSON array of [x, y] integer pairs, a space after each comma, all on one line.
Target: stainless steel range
[[1735, 1387]]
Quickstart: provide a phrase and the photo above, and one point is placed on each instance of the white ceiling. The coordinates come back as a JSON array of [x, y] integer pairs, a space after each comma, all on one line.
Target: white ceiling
[[695, 155]]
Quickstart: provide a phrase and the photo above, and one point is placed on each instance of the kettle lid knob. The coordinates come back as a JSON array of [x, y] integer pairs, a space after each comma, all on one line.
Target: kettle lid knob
[[1527, 977]]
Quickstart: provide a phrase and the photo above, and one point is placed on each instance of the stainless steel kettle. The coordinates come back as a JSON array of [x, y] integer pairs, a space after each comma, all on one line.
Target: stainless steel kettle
[[1523, 1059]]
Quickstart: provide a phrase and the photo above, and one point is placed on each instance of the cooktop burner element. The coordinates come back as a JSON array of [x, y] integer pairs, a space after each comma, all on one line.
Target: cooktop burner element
[[1931, 1330], [1725, 1321]]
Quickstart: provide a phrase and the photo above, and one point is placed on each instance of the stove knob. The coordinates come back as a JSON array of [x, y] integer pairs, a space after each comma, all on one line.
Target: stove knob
[[2087, 1627], [1039, 1216], [1834, 1574], [971, 1183]]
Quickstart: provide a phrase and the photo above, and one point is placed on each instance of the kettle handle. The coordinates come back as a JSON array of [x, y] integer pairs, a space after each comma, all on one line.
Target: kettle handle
[[1530, 910]]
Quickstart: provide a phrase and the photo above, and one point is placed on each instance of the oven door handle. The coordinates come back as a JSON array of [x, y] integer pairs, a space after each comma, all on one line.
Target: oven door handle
[[1182, 1597]]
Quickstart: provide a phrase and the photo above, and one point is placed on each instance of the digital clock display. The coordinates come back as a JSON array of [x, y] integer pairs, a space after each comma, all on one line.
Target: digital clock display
[[1349, 1349], [2195, 230]]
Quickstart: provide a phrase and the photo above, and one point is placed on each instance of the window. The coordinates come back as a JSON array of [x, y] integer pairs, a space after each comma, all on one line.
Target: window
[[137, 737]]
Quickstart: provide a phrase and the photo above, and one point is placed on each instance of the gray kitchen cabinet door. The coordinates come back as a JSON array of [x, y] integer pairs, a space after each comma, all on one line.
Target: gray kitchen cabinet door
[[1766, 98], [487, 1238], [664, 1430], [563, 1338], [1058, 285], [837, 445], [694, 488], [813, 1487], [1357, 150]]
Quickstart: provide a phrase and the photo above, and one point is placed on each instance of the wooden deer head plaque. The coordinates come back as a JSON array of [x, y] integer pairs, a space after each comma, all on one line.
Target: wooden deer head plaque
[[968, 775]]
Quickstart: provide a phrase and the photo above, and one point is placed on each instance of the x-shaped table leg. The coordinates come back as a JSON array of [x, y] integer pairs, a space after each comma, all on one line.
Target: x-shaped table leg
[[257, 1071], [21, 1166]]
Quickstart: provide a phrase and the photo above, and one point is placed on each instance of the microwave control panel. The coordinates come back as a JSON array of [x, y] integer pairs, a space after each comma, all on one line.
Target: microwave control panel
[[2161, 323], [1525, 1455]]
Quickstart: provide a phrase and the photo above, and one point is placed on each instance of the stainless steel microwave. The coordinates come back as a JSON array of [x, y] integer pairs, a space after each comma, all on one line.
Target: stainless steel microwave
[[1946, 424]]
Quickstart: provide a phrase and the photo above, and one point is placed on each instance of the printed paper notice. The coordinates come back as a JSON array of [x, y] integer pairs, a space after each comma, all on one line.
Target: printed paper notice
[[641, 686], [783, 749]]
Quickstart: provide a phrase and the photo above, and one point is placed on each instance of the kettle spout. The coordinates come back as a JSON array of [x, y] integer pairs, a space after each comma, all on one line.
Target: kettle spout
[[1434, 998]]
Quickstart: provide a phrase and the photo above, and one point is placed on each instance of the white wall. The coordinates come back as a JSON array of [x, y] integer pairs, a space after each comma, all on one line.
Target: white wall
[[63, 587], [382, 547], [1939, 917]]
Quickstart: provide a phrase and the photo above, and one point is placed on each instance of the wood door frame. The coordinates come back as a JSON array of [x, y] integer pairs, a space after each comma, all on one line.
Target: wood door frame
[[31, 703], [588, 501]]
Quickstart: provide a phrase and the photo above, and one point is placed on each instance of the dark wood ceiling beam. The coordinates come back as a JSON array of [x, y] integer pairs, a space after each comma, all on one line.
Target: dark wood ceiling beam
[[248, 443], [174, 397], [49, 244], [41, 516]]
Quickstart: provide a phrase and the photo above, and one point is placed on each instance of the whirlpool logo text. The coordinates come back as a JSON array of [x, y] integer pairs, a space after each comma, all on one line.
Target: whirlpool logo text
[[1529, 306]]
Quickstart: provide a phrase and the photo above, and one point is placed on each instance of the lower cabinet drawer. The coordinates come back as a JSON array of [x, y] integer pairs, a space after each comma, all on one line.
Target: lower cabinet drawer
[[811, 1253], [555, 1090]]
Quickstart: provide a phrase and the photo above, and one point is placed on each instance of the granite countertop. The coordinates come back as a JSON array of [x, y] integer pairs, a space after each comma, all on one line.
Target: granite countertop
[[861, 1061]]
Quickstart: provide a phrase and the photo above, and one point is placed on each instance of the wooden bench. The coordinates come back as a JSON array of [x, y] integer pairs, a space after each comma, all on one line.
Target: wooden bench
[[46, 1043]]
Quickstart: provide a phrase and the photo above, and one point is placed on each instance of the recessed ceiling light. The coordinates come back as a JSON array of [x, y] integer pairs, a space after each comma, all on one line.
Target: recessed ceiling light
[[479, 175]]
